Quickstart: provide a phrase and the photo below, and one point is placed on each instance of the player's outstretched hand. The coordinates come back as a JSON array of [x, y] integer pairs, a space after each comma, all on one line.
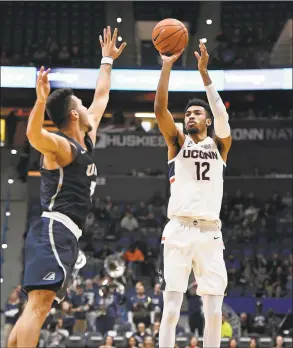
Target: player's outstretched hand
[[171, 59], [108, 44], [43, 85], [203, 57]]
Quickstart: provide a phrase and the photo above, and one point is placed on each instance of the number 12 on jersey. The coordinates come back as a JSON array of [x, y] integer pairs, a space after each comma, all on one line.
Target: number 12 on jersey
[[202, 170]]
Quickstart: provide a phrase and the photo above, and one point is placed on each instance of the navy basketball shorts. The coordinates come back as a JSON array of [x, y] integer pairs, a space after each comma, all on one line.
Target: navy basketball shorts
[[51, 251]]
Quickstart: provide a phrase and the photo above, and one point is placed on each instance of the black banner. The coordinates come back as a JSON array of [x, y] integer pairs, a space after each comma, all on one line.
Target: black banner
[[273, 131], [262, 144]]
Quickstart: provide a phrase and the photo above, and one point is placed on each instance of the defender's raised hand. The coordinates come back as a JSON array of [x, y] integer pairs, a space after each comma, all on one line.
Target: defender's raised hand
[[171, 59], [43, 85], [203, 58], [108, 44]]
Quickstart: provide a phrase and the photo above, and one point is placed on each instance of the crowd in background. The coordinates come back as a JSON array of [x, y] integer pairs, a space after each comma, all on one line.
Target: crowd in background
[[247, 222], [242, 48], [93, 309], [49, 53], [247, 36], [98, 303], [256, 233]]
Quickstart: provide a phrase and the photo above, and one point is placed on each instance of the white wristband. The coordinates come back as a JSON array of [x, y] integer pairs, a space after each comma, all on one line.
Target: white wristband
[[107, 60]]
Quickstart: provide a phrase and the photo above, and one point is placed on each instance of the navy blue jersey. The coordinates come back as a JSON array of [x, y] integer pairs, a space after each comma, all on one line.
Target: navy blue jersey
[[68, 190]]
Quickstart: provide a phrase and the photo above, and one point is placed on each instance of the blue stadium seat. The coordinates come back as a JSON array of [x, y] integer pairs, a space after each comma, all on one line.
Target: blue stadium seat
[[124, 242], [286, 252], [183, 340], [153, 242], [119, 341], [122, 329], [265, 342], [37, 21], [249, 292], [224, 342], [271, 16], [94, 339], [244, 342], [130, 292], [248, 252], [236, 291]]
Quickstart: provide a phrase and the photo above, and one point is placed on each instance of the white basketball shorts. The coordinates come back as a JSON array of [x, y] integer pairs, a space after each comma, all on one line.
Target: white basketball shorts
[[193, 244]]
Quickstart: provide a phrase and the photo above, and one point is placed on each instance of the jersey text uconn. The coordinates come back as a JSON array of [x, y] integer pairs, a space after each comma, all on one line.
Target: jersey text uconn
[[200, 154], [91, 170]]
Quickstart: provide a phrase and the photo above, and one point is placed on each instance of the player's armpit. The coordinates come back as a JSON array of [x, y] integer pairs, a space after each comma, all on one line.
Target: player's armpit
[[47, 143], [170, 132]]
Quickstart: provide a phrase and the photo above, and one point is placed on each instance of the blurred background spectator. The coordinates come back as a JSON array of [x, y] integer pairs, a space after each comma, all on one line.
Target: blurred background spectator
[[245, 37]]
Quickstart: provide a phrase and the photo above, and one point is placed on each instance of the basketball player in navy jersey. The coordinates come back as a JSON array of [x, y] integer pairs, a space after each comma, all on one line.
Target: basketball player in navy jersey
[[192, 239], [68, 179]]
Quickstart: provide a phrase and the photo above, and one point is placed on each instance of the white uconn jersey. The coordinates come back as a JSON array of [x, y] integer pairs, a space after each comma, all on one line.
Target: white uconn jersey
[[196, 180]]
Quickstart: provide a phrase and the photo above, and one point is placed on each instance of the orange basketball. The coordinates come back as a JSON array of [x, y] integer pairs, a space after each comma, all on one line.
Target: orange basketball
[[170, 36]]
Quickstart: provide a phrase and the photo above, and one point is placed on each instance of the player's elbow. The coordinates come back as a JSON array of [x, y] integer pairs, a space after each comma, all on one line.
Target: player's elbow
[[30, 134], [156, 109], [33, 135], [157, 106], [34, 142]]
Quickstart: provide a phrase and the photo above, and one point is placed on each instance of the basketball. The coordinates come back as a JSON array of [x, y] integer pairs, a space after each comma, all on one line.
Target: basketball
[[170, 36]]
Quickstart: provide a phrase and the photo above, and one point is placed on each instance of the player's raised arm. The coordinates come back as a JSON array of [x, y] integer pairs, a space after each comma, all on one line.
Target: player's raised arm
[[110, 52], [221, 117], [39, 138], [164, 118]]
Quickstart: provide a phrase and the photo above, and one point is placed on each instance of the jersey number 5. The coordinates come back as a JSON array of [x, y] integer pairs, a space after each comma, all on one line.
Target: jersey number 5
[[202, 169]]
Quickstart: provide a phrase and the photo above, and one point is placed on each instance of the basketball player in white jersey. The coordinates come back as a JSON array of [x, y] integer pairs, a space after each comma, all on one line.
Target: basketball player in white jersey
[[192, 238]]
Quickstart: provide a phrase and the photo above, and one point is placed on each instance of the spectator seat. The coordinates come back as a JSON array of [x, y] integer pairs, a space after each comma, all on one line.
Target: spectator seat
[[244, 342], [119, 341], [225, 342], [183, 340], [265, 342], [94, 339], [75, 341]]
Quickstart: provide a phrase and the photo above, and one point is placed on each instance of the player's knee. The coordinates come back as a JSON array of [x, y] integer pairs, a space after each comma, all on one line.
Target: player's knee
[[12, 340], [172, 306], [172, 314], [212, 308], [217, 314], [214, 316]]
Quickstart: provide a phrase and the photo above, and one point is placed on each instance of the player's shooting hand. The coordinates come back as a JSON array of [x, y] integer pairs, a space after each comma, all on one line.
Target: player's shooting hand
[[108, 44], [203, 57], [43, 85], [170, 60]]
